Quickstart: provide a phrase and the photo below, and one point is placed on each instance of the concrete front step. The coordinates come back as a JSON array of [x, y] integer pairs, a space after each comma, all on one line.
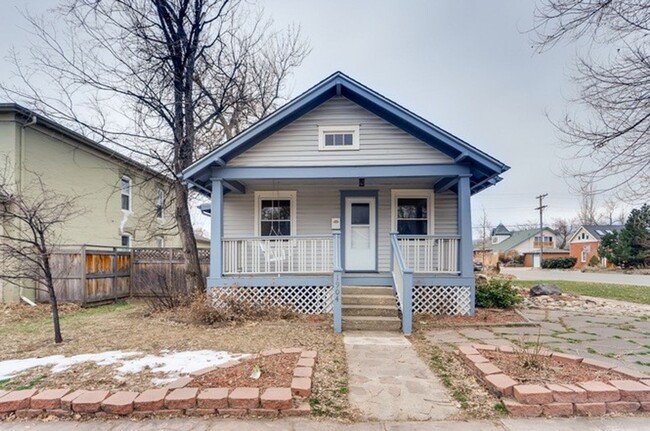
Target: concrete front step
[[368, 300], [367, 290], [370, 310], [371, 323]]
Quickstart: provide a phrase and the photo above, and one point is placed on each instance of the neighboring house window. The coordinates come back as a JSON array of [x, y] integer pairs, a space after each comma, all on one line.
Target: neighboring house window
[[583, 256], [126, 240], [546, 239], [338, 138], [583, 236], [412, 211], [160, 204], [125, 190], [494, 240], [275, 213], [160, 241]]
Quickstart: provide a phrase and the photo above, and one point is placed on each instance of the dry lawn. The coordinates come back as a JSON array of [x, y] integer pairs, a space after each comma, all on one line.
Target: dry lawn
[[129, 327]]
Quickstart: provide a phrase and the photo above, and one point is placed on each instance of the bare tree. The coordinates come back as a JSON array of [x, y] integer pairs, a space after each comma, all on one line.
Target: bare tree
[[588, 213], [31, 220], [564, 228], [484, 228], [610, 136], [611, 212], [164, 80]]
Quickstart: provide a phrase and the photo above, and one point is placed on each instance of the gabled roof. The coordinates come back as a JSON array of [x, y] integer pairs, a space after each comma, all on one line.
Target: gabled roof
[[484, 168], [500, 230], [598, 231], [516, 238]]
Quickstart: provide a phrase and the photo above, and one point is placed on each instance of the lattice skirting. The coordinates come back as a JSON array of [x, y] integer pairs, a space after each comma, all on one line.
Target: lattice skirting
[[301, 299], [448, 300]]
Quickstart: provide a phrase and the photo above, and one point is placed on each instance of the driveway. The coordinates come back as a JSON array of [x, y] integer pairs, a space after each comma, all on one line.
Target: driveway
[[589, 277]]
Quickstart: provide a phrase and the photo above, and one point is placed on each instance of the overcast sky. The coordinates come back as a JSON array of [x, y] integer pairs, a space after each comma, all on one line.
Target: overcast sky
[[467, 66]]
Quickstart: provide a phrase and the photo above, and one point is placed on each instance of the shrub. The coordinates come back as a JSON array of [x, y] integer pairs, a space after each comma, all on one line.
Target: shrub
[[559, 263], [496, 293], [229, 307], [594, 261]]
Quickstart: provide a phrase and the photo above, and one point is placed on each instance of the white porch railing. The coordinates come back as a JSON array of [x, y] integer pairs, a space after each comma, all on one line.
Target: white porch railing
[[431, 253], [402, 283], [277, 255]]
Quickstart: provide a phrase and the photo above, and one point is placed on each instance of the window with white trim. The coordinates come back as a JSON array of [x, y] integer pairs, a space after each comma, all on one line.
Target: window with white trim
[[275, 213], [412, 212], [160, 204], [338, 138], [126, 240], [160, 241], [125, 192], [583, 256], [582, 236]]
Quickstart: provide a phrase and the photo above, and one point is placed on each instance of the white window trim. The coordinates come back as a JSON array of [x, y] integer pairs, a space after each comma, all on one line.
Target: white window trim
[[412, 193], [354, 129], [583, 256], [264, 195], [160, 193], [160, 240], [129, 194], [130, 237]]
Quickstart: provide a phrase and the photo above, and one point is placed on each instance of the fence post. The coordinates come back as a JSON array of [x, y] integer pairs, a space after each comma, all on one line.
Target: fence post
[[170, 269], [131, 258], [83, 269], [114, 268]]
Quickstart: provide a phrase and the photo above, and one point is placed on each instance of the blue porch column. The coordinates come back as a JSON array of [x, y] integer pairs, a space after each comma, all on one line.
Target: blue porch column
[[216, 225], [465, 232]]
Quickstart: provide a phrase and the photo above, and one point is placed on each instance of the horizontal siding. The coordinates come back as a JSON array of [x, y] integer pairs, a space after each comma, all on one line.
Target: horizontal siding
[[317, 204], [380, 141]]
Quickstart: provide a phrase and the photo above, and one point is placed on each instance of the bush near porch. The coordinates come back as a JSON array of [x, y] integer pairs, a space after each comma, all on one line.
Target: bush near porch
[[129, 326]]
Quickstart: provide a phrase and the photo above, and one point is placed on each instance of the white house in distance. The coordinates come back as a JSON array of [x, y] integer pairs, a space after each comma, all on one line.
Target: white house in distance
[[523, 242], [343, 187]]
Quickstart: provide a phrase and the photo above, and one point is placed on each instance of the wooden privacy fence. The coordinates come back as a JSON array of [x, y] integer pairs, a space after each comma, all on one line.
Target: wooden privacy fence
[[90, 274], [157, 271]]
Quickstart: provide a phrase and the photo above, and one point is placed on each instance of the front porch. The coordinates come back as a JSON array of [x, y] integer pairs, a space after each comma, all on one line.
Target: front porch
[[297, 243]]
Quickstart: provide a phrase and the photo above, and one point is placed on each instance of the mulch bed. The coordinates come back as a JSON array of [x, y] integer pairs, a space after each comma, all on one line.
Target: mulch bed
[[549, 370], [483, 317], [277, 372]]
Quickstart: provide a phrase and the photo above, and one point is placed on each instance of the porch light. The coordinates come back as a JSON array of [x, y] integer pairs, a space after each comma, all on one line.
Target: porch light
[[362, 182]]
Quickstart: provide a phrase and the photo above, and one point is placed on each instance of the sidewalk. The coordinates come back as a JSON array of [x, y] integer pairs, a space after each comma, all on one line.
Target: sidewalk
[[638, 423]]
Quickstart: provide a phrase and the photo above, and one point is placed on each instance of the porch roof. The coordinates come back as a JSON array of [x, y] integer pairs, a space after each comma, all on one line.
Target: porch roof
[[483, 169]]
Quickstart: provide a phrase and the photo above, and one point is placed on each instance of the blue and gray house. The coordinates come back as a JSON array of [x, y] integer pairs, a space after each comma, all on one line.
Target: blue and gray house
[[340, 197]]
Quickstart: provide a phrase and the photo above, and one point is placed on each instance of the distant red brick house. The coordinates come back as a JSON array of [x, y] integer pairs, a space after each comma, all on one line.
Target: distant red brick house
[[584, 243]]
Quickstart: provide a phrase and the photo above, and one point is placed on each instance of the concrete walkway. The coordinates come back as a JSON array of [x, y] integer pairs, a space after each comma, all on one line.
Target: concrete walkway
[[535, 274], [541, 424], [388, 381]]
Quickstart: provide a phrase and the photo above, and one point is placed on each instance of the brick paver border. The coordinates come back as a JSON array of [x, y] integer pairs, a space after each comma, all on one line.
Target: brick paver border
[[583, 399], [175, 399]]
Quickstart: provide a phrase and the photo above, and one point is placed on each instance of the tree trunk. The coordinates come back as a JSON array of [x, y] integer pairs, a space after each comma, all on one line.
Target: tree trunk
[[53, 302], [193, 275]]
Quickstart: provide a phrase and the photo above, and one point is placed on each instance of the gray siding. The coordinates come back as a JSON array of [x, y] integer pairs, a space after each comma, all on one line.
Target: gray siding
[[318, 203], [380, 141]]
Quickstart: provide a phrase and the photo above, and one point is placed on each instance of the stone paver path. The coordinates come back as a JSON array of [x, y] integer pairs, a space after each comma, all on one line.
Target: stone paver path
[[620, 340], [388, 381]]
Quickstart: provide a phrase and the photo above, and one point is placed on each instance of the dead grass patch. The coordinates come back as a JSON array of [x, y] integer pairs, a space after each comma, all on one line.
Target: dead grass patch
[[483, 317], [473, 399], [130, 327]]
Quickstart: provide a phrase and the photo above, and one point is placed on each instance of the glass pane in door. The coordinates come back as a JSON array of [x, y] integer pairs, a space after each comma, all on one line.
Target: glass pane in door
[[360, 214]]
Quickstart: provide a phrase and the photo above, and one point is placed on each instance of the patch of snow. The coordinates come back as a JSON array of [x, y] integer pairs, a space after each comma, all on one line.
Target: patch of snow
[[170, 363], [9, 369]]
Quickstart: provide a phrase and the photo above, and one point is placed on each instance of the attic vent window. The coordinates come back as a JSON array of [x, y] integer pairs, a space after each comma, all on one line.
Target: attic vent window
[[338, 138]]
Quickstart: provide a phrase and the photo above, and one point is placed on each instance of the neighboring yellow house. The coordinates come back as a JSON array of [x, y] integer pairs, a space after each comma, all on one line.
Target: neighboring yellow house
[[121, 202]]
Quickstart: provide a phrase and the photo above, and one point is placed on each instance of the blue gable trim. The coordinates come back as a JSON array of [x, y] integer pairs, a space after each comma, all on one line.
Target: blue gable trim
[[483, 167]]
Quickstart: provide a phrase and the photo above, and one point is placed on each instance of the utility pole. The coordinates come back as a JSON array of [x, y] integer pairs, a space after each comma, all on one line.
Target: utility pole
[[541, 208]]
